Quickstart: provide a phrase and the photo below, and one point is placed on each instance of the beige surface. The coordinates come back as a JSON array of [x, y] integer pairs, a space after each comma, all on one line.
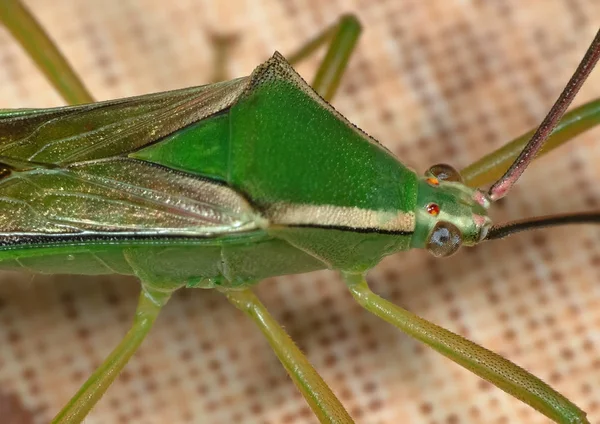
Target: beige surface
[[434, 81]]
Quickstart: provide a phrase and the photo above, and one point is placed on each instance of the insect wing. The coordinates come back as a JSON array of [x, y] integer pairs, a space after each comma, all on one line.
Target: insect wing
[[106, 129], [65, 171]]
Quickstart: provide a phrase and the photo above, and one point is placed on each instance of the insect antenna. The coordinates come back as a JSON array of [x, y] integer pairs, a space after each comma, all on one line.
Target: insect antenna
[[501, 187], [505, 230]]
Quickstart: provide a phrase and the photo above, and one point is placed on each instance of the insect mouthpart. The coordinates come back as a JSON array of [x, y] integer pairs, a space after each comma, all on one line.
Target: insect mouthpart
[[483, 223]]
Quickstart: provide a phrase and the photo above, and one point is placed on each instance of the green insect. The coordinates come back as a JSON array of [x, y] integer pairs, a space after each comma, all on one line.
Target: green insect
[[224, 185]]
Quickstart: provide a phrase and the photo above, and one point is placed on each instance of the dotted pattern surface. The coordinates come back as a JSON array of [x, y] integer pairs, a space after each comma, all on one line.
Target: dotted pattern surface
[[435, 81]]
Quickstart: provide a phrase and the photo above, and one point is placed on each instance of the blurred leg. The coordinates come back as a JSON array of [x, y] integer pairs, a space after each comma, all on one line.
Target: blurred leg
[[23, 26]]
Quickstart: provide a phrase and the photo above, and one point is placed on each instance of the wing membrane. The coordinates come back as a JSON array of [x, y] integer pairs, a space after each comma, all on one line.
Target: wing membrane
[[64, 171], [105, 129], [119, 195]]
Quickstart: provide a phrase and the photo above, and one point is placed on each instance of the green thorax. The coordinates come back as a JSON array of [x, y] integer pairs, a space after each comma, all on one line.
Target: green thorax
[[321, 183], [280, 142]]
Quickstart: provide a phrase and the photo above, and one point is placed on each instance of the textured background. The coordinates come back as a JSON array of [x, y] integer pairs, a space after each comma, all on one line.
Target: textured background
[[434, 81]]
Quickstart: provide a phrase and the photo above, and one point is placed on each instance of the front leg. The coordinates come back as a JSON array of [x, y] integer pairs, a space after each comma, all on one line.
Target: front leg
[[486, 364]]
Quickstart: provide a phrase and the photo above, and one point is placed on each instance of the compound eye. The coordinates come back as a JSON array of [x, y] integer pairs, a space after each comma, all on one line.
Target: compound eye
[[444, 240], [444, 172]]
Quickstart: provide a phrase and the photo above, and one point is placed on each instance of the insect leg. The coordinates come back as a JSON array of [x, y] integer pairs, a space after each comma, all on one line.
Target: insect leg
[[149, 305], [486, 364], [342, 38], [23, 26], [222, 44], [316, 392]]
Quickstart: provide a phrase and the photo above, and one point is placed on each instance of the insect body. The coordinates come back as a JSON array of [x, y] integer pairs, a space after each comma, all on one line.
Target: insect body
[[120, 197], [223, 185], [238, 207]]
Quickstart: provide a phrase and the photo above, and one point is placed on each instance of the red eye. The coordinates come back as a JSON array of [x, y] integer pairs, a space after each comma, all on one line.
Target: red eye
[[433, 209]]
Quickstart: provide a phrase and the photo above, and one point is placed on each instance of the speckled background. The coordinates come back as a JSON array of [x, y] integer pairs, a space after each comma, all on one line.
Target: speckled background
[[433, 81]]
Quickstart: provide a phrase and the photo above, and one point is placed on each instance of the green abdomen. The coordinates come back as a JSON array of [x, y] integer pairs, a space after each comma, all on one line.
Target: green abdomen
[[231, 261]]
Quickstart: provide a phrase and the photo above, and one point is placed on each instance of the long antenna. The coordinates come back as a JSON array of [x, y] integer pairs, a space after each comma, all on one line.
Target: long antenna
[[505, 183], [505, 230]]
